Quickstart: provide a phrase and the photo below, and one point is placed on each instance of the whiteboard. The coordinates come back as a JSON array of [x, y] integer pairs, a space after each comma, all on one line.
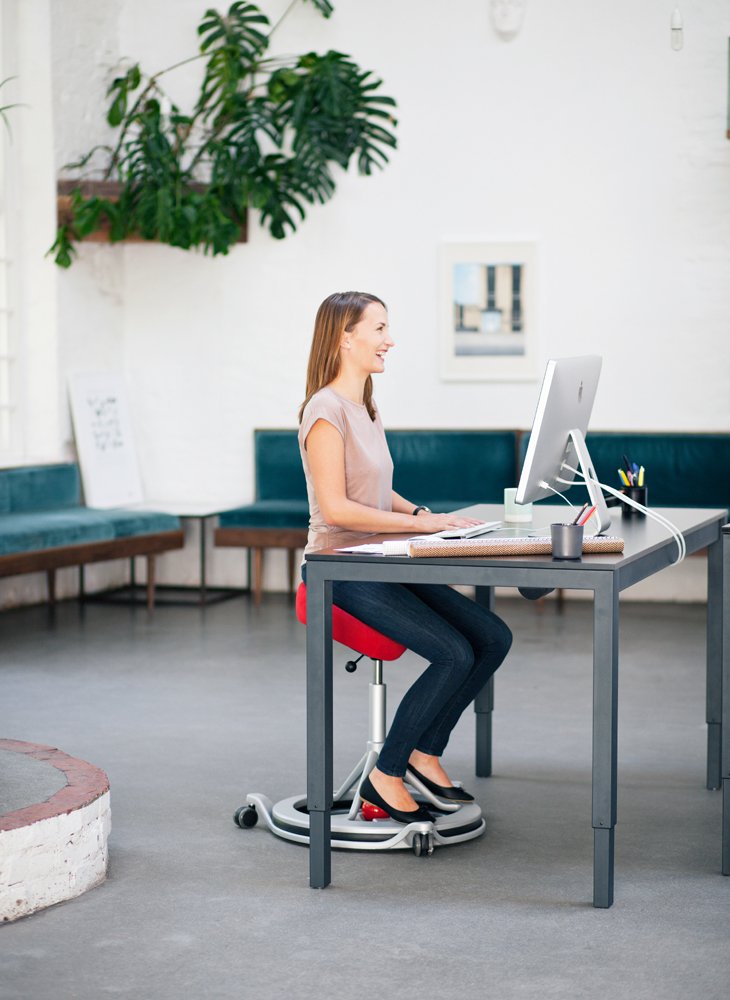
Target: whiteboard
[[104, 440]]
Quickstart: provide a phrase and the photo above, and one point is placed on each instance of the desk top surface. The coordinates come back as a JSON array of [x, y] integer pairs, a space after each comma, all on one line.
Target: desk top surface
[[643, 537]]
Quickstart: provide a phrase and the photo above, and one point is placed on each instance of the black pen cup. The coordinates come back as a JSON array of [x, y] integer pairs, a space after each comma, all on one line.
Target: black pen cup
[[638, 493], [567, 541]]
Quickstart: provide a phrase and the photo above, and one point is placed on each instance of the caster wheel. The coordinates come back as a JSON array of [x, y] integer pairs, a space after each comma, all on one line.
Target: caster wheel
[[420, 844], [246, 817]]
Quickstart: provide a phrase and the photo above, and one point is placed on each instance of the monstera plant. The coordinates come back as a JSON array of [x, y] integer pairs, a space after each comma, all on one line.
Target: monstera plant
[[266, 133]]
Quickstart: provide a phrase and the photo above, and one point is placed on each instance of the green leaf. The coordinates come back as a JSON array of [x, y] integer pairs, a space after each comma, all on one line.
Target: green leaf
[[324, 7], [120, 87], [234, 43], [117, 109], [63, 249]]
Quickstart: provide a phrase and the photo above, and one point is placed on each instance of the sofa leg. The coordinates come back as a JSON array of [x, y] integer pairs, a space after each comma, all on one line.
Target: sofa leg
[[290, 553], [150, 583], [51, 581], [258, 567]]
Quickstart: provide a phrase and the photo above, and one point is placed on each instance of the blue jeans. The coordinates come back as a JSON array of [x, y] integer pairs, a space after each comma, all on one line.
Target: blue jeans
[[463, 642]]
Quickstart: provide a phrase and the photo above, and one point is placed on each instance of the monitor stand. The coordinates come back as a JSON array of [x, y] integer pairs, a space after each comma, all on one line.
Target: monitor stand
[[577, 456]]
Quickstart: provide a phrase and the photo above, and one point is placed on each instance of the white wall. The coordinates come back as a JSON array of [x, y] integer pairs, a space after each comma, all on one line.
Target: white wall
[[587, 134]]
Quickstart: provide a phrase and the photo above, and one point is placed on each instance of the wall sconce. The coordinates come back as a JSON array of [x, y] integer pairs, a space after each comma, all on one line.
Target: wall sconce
[[507, 17], [677, 29]]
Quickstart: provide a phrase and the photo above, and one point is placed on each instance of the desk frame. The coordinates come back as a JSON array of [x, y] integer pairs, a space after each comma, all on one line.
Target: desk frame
[[648, 549]]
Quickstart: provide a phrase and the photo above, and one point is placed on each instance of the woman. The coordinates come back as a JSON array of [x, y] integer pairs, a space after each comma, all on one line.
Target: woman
[[349, 475]]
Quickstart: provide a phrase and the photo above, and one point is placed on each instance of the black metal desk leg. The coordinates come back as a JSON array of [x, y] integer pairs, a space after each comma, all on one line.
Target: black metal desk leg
[[484, 703], [319, 726], [725, 699], [714, 663], [605, 730]]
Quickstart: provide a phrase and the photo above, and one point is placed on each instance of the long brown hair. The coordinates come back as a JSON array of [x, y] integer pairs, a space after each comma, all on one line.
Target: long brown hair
[[339, 312]]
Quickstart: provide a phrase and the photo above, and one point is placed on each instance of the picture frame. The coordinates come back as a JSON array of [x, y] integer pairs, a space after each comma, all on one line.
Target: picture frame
[[488, 321]]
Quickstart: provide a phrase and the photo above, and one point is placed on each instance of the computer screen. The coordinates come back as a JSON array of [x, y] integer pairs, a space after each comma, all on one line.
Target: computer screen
[[557, 440]]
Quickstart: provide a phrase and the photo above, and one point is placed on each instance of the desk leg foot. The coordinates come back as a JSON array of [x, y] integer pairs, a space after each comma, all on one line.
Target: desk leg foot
[[320, 866], [603, 851], [726, 826], [484, 745], [714, 734]]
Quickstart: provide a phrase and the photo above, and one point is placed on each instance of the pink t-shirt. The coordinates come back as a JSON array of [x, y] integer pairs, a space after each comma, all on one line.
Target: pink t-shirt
[[368, 465]]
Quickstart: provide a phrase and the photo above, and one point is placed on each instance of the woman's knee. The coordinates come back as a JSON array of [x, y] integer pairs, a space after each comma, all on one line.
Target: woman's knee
[[460, 656], [506, 637], [500, 640]]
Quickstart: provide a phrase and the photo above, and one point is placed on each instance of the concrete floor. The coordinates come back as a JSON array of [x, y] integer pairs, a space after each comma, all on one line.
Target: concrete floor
[[190, 710]]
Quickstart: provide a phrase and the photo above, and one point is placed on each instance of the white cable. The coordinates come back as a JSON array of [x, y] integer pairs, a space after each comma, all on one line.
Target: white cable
[[547, 486], [659, 518]]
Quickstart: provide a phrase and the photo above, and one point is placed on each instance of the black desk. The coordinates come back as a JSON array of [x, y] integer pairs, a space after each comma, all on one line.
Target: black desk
[[648, 549]]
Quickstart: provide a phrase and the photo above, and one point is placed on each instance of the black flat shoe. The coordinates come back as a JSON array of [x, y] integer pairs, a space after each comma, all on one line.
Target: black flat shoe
[[447, 793], [371, 795]]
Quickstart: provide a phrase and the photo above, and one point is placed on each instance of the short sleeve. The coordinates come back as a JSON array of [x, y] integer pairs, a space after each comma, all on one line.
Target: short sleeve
[[321, 407]]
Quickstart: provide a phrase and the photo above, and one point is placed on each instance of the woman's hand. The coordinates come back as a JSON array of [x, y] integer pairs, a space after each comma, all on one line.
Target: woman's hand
[[427, 524]]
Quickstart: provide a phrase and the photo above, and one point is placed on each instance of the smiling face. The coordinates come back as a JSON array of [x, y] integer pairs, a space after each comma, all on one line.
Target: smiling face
[[364, 346]]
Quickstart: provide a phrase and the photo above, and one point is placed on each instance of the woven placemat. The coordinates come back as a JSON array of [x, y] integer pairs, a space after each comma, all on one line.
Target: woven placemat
[[505, 546]]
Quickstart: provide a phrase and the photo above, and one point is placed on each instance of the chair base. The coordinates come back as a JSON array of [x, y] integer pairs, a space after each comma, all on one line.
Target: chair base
[[454, 823], [289, 819]]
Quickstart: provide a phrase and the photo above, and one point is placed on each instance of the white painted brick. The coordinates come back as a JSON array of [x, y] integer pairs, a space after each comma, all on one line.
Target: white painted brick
[[53, 859]]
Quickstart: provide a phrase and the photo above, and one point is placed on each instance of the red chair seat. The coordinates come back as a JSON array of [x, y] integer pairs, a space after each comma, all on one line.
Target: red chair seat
[[354, 633]]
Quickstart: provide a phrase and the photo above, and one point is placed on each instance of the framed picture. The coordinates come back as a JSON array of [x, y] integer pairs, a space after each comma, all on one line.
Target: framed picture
[[488, 326]]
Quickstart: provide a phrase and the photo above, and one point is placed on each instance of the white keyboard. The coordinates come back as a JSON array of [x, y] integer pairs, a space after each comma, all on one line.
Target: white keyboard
[[476, 529]]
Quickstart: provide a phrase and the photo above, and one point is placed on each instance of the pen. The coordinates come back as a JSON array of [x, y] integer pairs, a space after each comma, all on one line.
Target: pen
[[624, 477], [641, 476], [580, 514], [588, 515]]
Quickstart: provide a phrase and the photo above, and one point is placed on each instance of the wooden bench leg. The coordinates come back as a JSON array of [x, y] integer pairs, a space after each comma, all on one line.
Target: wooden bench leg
[[258, 567], [290, 553], [51, 581], [150, 583]]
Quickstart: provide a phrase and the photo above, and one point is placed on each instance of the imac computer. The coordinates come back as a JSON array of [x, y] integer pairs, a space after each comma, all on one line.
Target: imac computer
[[557, 440]]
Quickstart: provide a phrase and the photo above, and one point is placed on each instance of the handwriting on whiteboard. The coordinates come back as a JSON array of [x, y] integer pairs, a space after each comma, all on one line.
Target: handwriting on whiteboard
[[105, 422]]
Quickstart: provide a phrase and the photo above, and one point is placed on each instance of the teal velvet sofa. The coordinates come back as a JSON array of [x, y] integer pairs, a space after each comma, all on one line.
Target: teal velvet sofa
[[449, 469], [44, 526], [444, 469], [681, 469]]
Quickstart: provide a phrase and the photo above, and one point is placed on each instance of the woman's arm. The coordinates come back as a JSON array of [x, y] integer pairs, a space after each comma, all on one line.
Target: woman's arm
[[402, 505], [326, 454]]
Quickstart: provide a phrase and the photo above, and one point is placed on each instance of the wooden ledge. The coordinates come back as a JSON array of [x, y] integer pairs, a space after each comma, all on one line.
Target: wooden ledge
[[110, 190]]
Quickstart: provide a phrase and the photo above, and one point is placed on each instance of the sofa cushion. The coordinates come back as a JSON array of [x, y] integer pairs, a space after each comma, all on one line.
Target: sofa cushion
[[681, 470], [279, 472], [27, 532], [433, 467], [126, 523], [268, 514], [42, 487]]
